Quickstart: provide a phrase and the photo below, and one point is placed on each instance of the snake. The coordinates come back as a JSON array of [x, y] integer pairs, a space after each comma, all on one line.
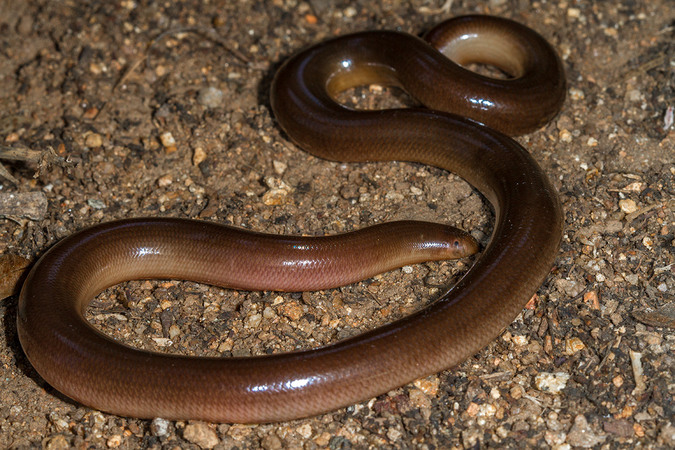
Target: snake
[[461, 124]]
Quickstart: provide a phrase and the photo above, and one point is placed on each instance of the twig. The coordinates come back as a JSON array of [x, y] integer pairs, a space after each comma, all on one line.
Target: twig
[[645, 67], [43, 158], [4, 173]]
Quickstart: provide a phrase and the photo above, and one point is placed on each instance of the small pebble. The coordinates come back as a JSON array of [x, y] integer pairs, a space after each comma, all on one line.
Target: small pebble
[[56, 442], [311, 19], [271, 442], [565, 136], [416, 191], [420, 400], [225, 346], [648, 242], [350, 11], [201, 434], [472, 409], [428, 385], [581, 434], [519, 340], [305, 431], [638, 430], [174, 331], [90, 113], [634, 95], [114, 441], [570, 287], [502, 432], [240, 431], [323, 439], [516, 392], [636, 186], [394, 434], [93, 140], [198, 156], [472, 437], [210, 97], [167, 140], [551, 382], [576, 94], [254, 320], [591, 297], [394, 196], [59, 423], [269, 313], [97, 420], [164, 181], [12, 137], [667, 435], [95, 203], [292, 310], [632, 278], [165, 304], [627, 205], [554, 437], [161, 70], [613, 32], [279, 167], [573, 13], [162, 342], [97, 68], [275, 197], [574, 345]]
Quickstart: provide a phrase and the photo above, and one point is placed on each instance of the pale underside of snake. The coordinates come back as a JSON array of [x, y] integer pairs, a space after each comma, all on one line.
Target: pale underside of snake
[[93, 369]]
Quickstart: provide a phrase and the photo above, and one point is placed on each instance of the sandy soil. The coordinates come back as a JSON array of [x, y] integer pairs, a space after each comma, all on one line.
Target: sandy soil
[[104, 84]]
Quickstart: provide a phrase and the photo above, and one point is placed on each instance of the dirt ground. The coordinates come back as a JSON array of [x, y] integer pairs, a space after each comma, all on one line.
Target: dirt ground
[[162, 109]]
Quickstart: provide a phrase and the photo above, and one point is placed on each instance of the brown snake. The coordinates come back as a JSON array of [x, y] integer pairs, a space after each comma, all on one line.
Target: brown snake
[[93, 369]]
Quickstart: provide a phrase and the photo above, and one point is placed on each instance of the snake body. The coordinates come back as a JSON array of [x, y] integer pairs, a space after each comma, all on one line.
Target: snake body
[[93, 369]]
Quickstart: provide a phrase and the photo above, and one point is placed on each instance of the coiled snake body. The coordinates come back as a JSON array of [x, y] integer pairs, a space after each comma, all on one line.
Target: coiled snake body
[[96, 371]]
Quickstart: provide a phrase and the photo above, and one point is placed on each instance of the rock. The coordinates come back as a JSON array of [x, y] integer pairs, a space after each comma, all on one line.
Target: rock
[[551, 382], [159, 427], [582, 435], [201, 434], [210, 97]]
